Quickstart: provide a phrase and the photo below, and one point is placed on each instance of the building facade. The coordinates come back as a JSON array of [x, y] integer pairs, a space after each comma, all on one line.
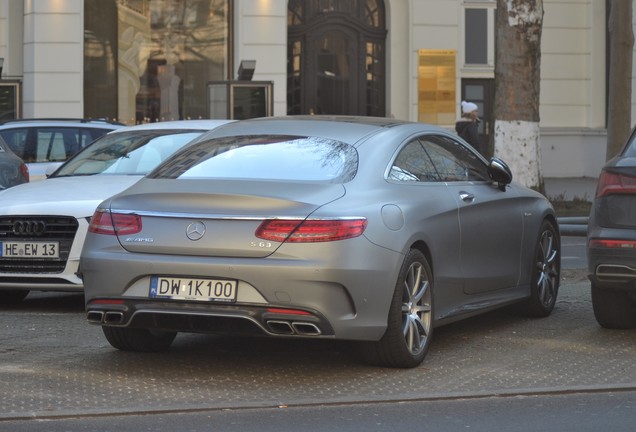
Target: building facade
[[148, 60]]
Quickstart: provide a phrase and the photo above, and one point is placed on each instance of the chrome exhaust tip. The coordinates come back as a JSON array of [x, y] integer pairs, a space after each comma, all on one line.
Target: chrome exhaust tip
[[306, 329], [95, 317], [280, 327], [113, 317]]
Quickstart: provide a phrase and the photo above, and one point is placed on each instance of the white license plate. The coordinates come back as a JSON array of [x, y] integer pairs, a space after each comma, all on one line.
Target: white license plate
[[178, 288], [29, 249]]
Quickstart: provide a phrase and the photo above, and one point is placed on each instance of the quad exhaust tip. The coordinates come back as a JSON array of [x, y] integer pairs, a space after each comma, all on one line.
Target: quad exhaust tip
[[293, 328], [108, 317]]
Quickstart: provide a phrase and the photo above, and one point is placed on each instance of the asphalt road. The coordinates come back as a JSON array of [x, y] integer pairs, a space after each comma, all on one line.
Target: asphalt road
[[581, 412], [59, 373]]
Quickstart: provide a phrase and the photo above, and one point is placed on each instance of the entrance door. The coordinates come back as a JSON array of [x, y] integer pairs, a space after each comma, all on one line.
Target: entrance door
[[482, 93], [332, 85], [336, 58]]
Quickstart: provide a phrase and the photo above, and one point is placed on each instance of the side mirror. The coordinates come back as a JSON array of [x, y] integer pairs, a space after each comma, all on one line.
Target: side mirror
[[500, 172]]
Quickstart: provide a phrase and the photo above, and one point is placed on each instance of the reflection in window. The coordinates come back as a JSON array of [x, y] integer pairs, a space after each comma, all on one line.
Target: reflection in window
[[414, 164], [265, 158], [127, 153], [150, 60], [437, 158]]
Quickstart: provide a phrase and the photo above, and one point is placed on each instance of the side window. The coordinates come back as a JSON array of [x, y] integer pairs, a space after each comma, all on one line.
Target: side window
[[56, 144], [413, 164], [85, 138], [454, 161]]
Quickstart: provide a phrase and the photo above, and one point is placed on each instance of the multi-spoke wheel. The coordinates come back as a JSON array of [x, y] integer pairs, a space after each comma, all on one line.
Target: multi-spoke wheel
[[409, 327], [546, 272]]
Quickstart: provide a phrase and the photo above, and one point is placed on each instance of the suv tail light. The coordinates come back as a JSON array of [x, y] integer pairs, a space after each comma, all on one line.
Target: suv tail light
[[612, 244], [105, 222], [311, 230], [610, 183]]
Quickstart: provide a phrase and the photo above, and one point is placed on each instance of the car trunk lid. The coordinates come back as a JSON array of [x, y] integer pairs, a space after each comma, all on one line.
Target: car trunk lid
[[220, 218]]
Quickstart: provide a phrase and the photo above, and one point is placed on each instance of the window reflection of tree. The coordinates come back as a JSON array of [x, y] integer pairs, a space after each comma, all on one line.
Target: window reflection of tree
[[335, 158]]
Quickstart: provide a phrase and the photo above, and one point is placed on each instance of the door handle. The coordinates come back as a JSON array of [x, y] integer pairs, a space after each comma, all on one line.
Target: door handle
[[466, 197]]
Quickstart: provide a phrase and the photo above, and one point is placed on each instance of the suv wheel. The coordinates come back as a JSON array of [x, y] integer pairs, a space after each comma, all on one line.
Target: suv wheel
[[613, 308]]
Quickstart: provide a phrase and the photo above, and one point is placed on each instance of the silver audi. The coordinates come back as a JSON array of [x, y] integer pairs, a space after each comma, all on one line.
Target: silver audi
[[365, 229]]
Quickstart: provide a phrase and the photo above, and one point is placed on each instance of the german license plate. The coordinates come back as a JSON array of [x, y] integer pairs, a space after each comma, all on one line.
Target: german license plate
[[179, 288], [29, 249]]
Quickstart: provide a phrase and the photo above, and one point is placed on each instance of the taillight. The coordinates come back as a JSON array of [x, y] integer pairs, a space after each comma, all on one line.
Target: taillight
[[612, 244], [24, 170], [311, 230], [612, 183], [105, 222]]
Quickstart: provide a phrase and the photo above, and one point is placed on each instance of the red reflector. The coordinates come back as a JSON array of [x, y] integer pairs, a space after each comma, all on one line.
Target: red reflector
[[105, 222], [613, 244], [310, 230], [612, 183], [287, 311], [107, 302], [24, 170]]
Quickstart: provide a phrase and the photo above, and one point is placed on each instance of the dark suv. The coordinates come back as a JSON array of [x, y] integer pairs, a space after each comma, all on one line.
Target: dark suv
[[612, 241], [45, 143]]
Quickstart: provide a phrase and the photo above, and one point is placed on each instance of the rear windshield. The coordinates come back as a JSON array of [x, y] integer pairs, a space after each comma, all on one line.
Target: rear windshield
[[264, 158]]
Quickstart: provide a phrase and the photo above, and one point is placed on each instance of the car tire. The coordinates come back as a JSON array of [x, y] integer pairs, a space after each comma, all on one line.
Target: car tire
[[410, 321], [546, 272], [613, 308], [138, 339], [9, 297]]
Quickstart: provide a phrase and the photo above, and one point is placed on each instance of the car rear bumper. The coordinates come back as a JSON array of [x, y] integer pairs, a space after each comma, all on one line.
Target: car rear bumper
[[345, 298], [615, 268], [189, 317]]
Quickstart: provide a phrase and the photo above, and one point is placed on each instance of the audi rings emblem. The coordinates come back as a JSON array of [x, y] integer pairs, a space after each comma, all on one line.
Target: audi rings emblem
[[195, 231], [29, 227]]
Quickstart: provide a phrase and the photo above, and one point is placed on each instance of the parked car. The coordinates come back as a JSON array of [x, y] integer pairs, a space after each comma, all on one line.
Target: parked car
[[612, 241], [366, 229], [13, 171], [43, 224], [45, 143]]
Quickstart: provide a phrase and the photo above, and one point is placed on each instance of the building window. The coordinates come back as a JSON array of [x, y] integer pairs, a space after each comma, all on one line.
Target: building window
[[151, 60], [479, 36], [476, 36]]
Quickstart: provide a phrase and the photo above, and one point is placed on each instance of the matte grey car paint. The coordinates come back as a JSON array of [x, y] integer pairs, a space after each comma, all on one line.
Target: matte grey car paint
[[481, 248]]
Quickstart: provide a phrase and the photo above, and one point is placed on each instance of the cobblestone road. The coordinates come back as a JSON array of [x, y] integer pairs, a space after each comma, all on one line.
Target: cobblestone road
[[54, 364]]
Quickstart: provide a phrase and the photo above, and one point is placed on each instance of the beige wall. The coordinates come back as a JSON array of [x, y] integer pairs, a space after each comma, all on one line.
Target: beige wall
[[42, 43], [53, 58]]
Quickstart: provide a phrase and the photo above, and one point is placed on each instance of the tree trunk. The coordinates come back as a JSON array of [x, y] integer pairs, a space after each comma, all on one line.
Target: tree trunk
[[619, 108], [517, 86]]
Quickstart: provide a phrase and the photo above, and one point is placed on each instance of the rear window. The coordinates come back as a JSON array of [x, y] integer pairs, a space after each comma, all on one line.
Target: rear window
[[268, 157]]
